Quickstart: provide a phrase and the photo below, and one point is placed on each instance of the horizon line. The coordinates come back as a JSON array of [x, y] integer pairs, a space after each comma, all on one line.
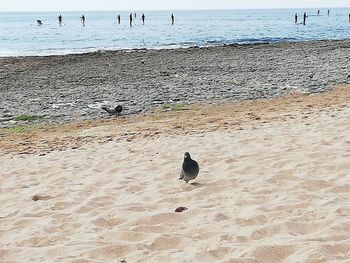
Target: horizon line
[[204, 9]]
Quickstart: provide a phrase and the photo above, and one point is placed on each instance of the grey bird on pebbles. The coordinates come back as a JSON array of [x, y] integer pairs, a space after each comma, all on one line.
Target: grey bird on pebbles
[[190, 169], [113, 111]]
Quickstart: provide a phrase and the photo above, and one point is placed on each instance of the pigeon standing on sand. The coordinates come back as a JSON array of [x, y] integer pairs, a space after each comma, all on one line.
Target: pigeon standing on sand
[[190, 169], [116, 111]]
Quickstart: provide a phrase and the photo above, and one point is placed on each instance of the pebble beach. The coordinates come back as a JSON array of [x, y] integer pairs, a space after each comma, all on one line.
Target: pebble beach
[[57, 89]]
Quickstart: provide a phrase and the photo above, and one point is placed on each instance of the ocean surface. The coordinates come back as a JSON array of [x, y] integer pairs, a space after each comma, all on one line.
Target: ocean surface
[[21, 36]]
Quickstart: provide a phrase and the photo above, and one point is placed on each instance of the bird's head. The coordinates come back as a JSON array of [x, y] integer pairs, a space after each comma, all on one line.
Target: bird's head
[[187, 155], [119, 109]]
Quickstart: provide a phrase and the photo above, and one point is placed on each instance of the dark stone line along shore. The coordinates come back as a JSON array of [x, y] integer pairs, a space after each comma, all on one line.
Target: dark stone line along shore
[[73, 87]]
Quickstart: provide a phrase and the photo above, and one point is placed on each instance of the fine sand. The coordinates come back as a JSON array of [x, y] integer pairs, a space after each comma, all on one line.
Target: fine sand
[[274, 186]]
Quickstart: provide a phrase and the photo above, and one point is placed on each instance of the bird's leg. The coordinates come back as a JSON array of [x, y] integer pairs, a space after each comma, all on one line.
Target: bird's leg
[[181, 176]]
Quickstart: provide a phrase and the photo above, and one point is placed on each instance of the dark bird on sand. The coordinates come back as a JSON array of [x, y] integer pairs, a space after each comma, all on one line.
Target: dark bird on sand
[[190, 169], [116, 111]]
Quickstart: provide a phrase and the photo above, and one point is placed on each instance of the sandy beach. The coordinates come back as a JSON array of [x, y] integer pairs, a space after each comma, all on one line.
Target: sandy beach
[[273, 186]]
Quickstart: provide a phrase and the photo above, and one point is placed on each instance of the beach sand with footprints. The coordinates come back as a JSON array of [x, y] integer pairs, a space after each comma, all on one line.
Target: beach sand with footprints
[[273, 185]]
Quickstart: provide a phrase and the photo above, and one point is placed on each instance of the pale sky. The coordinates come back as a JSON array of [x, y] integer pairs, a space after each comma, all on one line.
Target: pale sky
[[94, 5]]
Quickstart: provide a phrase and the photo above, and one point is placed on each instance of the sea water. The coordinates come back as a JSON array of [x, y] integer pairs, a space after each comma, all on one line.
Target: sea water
[[21, 36]]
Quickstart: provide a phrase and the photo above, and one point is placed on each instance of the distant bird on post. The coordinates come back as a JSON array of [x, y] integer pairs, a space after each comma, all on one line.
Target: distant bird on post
[[116, 111], [190, 169]]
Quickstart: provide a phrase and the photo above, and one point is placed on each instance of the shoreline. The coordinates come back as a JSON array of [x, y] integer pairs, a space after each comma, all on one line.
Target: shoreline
[[59, 89], [132, 50]]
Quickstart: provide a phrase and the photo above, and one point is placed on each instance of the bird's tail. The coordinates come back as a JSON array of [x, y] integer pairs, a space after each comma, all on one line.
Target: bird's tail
[[106, 109]]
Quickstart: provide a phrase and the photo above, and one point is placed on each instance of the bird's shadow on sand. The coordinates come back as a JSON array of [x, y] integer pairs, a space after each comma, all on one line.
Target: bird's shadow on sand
[[197, 184]]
